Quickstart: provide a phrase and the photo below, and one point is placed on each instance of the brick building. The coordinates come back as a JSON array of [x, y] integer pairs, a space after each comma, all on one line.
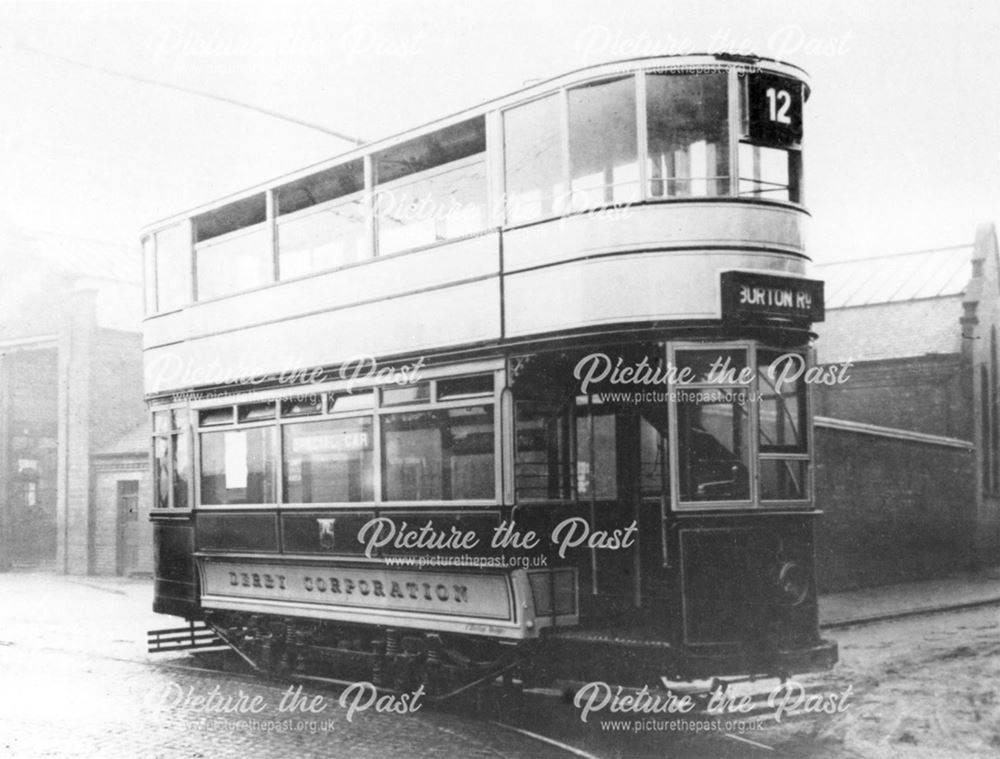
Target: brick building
[[123, 494], [908, 461], [70, 384]]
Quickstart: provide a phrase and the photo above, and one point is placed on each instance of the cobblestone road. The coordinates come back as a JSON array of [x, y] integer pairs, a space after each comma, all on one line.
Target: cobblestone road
[[76, 682]]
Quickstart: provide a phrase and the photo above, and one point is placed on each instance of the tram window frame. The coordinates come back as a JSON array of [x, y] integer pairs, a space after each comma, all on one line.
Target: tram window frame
[[473, 165], [681, 500], [172, 266], [438, 416], [272, 470], [149, 293], [370, 408], [173, 430], [550, 446], [801, 457], [366, 461], [717, 185], [364, 252], [219, 288], [422, 160], [608, 125], [557, 157], [751, 150]]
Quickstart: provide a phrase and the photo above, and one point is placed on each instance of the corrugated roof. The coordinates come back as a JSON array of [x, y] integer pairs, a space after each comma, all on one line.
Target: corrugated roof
[[896, 278]]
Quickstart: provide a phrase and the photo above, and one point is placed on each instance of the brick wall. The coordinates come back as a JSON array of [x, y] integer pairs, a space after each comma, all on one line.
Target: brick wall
[[930, 394], [894, 510]]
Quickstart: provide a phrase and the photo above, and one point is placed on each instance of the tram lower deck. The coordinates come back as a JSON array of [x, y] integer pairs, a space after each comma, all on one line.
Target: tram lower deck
[[617, 510]]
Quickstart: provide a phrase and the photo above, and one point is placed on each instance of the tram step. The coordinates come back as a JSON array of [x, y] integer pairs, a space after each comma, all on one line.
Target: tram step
[[196, 635]]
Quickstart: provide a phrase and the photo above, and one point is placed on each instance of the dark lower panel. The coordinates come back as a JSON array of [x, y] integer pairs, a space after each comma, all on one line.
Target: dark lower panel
[[238, 531], [175, 590]]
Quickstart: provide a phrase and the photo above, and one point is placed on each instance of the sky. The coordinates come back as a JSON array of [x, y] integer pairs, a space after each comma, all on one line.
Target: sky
[[101, 136]]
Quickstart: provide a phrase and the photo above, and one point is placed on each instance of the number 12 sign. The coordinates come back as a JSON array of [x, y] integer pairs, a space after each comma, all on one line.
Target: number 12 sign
[[774, 110]]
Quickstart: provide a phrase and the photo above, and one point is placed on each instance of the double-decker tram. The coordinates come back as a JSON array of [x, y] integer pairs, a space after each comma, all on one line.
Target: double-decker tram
[[519, 391]]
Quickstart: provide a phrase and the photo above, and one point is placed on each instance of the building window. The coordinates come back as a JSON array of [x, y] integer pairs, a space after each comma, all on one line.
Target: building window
[[687, 122], [603, 152]]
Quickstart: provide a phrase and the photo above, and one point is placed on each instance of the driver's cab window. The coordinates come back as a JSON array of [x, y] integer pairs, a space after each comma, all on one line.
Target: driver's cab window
[[713, 425]]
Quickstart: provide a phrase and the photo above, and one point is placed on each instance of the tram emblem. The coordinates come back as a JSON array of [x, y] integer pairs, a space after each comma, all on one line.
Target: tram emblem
[[326, 534]]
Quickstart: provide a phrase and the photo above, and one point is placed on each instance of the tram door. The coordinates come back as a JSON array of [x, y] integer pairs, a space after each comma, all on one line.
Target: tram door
[[622, 475], [595, 457]]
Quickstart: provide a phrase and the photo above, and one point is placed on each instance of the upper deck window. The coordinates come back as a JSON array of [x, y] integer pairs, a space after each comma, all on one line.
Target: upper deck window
[[771, 116], [232, 251], [230, 218], [688, 134], [603, 155], [321, 234], [173, 267], [534, 170], [432, 188], [319, 188], [149, 273]]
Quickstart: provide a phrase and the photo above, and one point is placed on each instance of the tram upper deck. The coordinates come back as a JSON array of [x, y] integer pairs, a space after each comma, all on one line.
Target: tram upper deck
[[612, 196]]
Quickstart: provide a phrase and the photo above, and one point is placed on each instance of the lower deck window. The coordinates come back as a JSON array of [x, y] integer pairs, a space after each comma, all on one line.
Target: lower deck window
[[237, 466], [328, 461], [444, 454], [171, 467]]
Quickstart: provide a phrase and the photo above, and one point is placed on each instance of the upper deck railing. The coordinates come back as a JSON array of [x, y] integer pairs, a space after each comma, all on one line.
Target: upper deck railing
[[635, 132]]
